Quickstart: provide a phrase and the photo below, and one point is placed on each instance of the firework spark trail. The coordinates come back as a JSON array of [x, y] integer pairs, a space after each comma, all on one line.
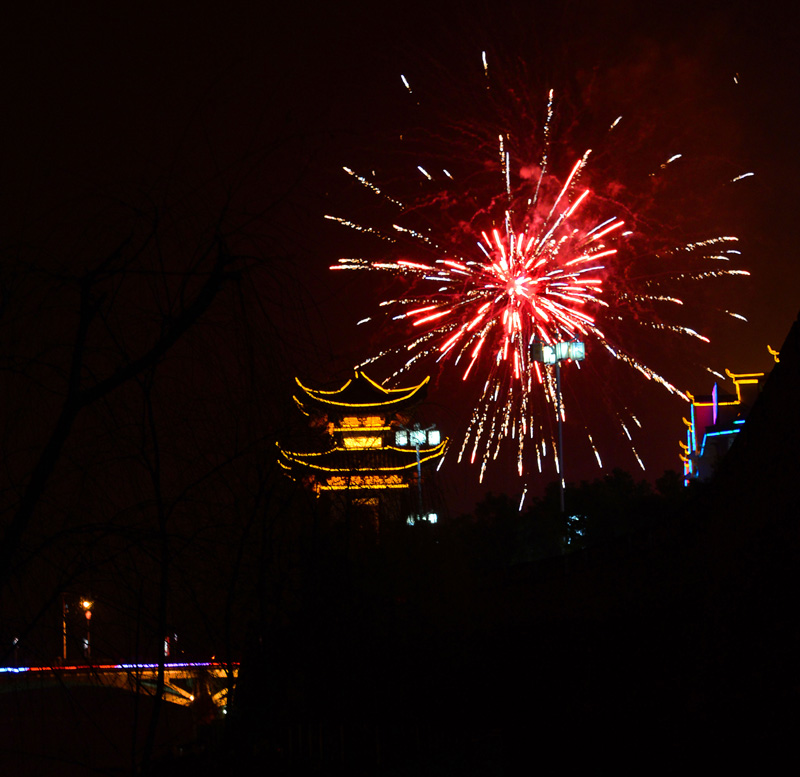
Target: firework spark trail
[[543, 268]]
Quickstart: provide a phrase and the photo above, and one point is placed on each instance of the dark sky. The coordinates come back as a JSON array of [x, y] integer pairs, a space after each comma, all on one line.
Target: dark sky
[[112, 98]]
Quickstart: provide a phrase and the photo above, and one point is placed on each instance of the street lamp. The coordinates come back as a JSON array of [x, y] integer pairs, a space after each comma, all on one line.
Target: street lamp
[[555, 353], [87, 612], [418, 437], [86, 605]]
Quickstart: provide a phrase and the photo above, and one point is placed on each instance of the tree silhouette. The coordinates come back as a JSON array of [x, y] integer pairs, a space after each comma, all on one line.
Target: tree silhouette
[[144, 370]]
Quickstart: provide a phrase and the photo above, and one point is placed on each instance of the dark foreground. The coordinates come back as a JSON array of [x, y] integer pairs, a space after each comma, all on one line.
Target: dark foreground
[[440, 651]]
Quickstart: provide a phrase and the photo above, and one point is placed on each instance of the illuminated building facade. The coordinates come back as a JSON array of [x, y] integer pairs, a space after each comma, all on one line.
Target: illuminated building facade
[[366, 450], [714, 422]]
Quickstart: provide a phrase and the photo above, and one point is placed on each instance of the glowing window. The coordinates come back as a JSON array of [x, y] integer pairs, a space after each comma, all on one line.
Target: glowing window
[[343, 482], [363, 442], [362, 422]]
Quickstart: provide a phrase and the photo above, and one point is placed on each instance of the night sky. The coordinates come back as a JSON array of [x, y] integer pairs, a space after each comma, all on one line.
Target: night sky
[[260, 107]]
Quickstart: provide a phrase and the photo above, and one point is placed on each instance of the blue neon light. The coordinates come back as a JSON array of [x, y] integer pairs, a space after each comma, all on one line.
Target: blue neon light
[[181, 665]]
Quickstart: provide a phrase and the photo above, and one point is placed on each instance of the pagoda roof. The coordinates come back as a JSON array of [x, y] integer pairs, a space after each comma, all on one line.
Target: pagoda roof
[[338, 460], [360, 394]]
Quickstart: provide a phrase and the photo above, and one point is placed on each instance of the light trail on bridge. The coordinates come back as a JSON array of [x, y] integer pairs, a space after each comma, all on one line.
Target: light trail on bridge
[[183, 682]]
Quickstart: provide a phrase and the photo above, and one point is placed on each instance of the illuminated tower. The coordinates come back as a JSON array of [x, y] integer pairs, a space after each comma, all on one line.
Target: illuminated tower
[[368, 456], [715, 421]]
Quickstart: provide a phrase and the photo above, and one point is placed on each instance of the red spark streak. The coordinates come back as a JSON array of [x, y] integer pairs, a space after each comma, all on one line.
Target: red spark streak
[[523, 288]]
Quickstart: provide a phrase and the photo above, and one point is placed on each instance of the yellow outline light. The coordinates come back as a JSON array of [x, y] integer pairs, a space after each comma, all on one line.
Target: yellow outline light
[[362, 482], [302, 459], [400, 394], [744, 378]]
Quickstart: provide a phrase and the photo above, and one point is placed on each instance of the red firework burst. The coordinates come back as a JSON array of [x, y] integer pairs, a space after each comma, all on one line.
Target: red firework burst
[[544, 266]]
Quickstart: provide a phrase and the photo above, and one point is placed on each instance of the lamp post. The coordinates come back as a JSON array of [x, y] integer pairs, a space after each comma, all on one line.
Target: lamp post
[[555, 353], [86, 605], [417, 437], [87, 612], [64, 611]]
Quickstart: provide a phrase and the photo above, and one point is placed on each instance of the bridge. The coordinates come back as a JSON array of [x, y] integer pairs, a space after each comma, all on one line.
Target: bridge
[[185, 683]]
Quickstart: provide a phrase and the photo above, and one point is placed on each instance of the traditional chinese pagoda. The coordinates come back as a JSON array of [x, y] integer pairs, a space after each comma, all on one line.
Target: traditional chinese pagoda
[[368, 454]]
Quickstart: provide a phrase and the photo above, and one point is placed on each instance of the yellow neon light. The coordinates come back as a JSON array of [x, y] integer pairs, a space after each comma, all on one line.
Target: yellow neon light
[[320, 391], [362, 442], [391, 391], [381, 403], [739, 375], [739, 380], [332, 428], [393, 396], [372, 482], [745, 378], [774, 354], [305, 459], [365, 421], [719, 404]]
